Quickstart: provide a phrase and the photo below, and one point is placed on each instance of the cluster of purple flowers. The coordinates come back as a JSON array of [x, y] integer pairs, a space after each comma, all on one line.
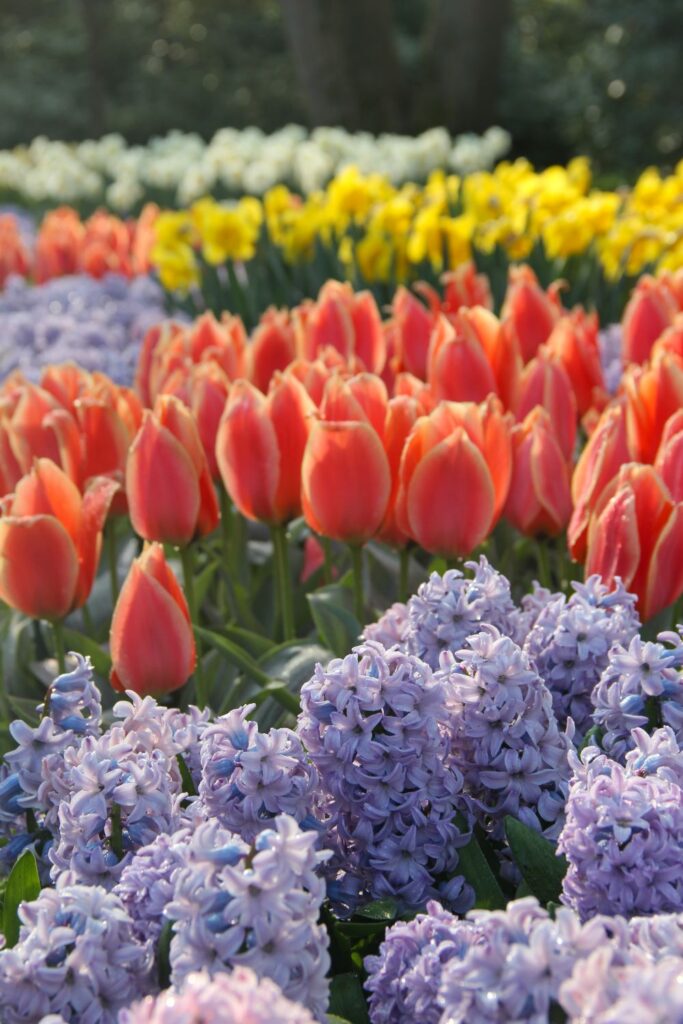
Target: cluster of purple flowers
[[99, 324], [376, 726]]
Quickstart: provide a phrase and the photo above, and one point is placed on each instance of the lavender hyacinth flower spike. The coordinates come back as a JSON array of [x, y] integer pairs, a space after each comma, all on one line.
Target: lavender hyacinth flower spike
[[376, 726]]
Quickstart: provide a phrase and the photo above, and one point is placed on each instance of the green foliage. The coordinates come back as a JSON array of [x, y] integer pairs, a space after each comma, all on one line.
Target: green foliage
[[542, 869], [23, 884]]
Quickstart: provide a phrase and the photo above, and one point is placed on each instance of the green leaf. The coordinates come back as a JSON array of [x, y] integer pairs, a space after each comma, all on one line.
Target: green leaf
[[164, 954], [291, 664], [23, 884], [75, 641], [24, 708], [379, 910], [347, 1000], [542, 869], [333, 1018], [255, 643], [203, 581], [188, 781], [235, 654], [337, 626], [475, 868]]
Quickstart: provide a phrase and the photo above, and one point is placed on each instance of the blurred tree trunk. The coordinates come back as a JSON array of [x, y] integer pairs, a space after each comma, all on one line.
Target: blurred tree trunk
[[93, 20], [346, 61], [465, 43]]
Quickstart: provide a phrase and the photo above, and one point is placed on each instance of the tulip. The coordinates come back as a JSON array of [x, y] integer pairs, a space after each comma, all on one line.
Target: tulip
[[465, 287], [649, 311], [155, 342], [14, 258], [670, 340], [345, 481], [401, 415], [454, 477], [544, 382], [348, 321], [414, 327], [653, 394], [50, 541], [539, 500], [260, 446], [605, 452], [272, 347], [636, 533], [170, 494], [361, 397], [574, 342], [152, 646], [457, 368], [530, 312], [669, 461], [502, 352]]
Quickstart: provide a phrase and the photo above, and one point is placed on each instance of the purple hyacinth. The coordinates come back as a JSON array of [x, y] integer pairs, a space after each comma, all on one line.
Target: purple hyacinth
[[76, 957], [248, 777], [391, 629], [240, 997], [640, 686], [504, 737], [376, 726], [448, 608], [257, 906], [145, 886], [623, 836], [570, 643]]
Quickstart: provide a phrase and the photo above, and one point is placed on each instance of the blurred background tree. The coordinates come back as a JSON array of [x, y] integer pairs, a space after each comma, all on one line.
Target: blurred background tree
[[602, 77]]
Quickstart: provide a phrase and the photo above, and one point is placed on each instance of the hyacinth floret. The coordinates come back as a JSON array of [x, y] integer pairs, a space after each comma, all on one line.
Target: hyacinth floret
[[571, 640], [376, 726], [248, 777], [240, 997], [257, 906], [76, 957], [392, 628], [623, 834], [504, 737], [446, 609], [146, 884]]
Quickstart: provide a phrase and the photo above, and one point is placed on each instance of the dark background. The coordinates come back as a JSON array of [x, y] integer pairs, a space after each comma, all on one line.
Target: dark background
[[600, 77]]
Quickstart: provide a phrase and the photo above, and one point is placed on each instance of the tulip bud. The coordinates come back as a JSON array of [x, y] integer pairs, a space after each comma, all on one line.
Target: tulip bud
[[170, 493], [260, 445], [151, 640], [465, 287], [653, 394], [361, 397], [539, 501], [574, 342], [531, 312], [649, 311], [457, 367], [544, 382], [325, 322], [669, 461], [414, 328], [345, 481], [402, 414], [272, 347]]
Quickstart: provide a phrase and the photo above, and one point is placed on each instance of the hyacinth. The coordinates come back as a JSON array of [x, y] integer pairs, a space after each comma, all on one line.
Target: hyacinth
[[258, 906], [446, 609], [76, 957], [100, 324], [405, 977], [608, 988], [640, 684], [248, 777], [609, 347], [570, 643], [375, 724], [504, 737], [240, 997], [623, 835], [145, 886], [391, 629]]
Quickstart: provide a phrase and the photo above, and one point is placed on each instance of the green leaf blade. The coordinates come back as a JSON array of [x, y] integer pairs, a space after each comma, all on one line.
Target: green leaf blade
[[23, 885]]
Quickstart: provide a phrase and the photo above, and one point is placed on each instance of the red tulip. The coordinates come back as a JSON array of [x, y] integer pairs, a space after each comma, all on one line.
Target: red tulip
[[502, 353], [345, 481], [271, 348], [539, 500], [170, 494], [155, 342], [636, 532], [414, 328], [361, 397], [649, 311], [152, 645], [66, 383], [401, 415], [14, 258], [325, 322], [530, 312], [653, 394], [544, 382], [669, 461], [605, 452], [574, 342], [465, 287], [671, 341], [457, 367], [50, 541], [260, 445]]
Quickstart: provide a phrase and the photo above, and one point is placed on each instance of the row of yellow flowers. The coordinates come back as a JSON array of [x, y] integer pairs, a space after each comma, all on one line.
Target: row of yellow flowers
[[382, 232]]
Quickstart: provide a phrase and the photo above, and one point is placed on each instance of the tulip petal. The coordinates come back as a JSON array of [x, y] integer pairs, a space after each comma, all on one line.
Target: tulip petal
[[96, 501], [450, 498], [38, 566], [613, 543], [47, 490], [247, 453], [665, 576]]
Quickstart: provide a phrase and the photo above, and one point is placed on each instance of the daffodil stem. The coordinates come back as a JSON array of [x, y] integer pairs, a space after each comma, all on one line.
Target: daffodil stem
[[112, 560], [58, 633], [187, 558], [283, 579], [404, 562], [357, 566]]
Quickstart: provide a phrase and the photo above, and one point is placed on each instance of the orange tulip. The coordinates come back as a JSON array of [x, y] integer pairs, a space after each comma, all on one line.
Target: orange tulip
[[502, 353], [574, 342], [347, 321], [345, 481], [539, 501], [414, 328], [649, 311], [544, 382], [653, 393], [14, 258], [271, 348], [361, 397], [636, 532], [670, 340], [401, 415], [669, 461], [465, 287], [529, 313], [605, 452], [260, 445], [454, 477], [58, 244], [152, 645], [170, 494], [457, 367], [50, 541]]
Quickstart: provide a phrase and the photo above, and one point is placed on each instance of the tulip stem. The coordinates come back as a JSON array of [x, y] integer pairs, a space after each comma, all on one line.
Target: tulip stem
[[283, 580], [112, 558], [357, 565], [58, 633], [404, 565], [543, 566], [187, 558], [327, 564]]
